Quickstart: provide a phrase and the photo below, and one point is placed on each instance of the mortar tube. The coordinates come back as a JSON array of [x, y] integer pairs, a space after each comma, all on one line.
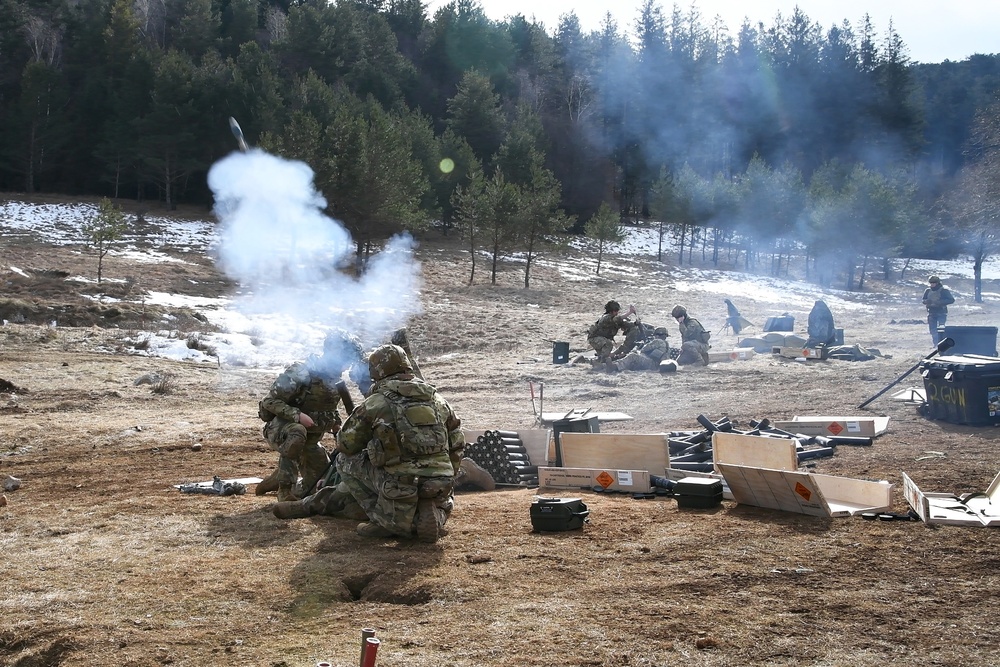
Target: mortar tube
[[370, 652], [366, 634]]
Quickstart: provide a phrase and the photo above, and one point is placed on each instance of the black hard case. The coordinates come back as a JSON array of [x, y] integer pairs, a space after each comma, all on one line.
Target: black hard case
[[962, 389], [698, 493], [555, 514]]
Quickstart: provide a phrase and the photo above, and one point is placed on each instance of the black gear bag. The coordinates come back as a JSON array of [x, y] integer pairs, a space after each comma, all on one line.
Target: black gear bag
[[556, 514]]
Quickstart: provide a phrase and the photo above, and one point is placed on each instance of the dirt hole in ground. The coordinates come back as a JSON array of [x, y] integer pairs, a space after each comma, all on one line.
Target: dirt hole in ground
[[8, 387], [22, 651]]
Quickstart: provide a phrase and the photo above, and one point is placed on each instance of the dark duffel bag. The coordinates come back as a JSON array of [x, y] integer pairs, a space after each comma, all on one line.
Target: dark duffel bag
[[554, 514]]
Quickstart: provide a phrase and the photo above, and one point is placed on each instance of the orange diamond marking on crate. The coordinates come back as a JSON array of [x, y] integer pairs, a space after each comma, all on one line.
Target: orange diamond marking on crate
[[802, 491], [835, 428], [605, 480]]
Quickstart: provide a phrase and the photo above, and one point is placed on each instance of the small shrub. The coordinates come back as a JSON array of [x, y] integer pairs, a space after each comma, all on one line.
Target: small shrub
[[163, 385]]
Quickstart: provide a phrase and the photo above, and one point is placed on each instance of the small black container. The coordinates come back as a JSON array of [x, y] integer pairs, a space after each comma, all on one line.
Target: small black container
[[557, 514], [560, 353], [698, 493]]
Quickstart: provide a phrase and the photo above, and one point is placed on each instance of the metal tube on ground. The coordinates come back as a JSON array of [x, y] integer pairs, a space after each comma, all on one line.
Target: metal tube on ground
[[371, 652], [943, 346], [366, 634], [708, 466], [815, 453], [860, 441]]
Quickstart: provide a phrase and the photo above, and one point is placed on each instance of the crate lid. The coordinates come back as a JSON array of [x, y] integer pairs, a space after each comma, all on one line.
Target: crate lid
[[963, 362]]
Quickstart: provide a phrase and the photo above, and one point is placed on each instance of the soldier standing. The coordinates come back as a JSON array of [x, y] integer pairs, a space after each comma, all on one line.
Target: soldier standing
[[937, 298]]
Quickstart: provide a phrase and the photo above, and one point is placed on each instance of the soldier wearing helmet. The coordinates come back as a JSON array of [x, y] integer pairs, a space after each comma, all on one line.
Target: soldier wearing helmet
[[936, 299], [399, 452], [646, 358], [601, 335], [694, 338], [300, 407]]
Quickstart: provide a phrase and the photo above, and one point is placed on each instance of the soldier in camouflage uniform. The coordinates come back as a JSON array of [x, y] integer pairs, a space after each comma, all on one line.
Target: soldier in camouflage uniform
[[601, 335], [399, 452], [694, 338], [300, 408], [647, 358]]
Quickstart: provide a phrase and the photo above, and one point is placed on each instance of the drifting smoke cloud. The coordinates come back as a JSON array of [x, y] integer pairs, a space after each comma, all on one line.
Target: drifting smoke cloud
[[288, 257]]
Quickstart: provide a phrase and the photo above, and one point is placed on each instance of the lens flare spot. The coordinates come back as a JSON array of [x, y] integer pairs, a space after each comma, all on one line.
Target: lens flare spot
[[447, 165]]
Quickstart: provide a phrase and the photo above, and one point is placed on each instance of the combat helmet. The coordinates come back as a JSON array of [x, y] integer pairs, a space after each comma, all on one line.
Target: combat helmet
[[342, 349], [678, 311], [387, 360], [612, 306], [660, 331]]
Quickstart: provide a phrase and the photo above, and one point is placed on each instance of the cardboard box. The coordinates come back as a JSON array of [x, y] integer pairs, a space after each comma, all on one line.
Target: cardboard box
[[845, 426], [742, 354], [718, 357], [631, 481], [969, 509]]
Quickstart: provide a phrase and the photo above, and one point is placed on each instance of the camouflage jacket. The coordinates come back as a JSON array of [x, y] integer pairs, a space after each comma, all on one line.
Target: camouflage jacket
[[299, 390], [608, 325], [407, 428], [691, 330], [656, 349]]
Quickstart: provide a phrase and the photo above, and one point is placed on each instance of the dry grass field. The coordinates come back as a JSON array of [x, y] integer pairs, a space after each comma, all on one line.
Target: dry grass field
[[105, 563]]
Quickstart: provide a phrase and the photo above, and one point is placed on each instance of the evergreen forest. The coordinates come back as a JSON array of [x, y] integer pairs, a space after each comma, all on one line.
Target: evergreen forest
[[746, 143]]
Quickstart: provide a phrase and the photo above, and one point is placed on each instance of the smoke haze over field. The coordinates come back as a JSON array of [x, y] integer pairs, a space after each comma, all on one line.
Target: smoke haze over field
[[289, 258]]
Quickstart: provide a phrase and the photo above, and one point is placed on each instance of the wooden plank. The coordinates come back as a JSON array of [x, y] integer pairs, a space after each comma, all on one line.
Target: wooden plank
[[631, 481], [615, 451], [851, 496], [805, 493], [754, 450], [947, 509], [784, 490], [856, 426]]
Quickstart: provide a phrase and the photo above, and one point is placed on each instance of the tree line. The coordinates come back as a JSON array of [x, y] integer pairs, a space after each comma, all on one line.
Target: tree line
[[748, 145]]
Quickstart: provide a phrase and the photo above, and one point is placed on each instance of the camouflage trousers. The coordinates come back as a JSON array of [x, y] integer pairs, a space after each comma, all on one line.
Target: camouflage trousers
[[334, 501], [636, 361], [299, 453], [605, 347], [693, 352], [391, 501]]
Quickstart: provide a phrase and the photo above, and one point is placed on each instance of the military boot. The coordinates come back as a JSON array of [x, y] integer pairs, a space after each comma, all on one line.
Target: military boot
[[268, 484], [470, 472], [705, 358], [295, 509], [285, 494], [427, 522], [370, 529]]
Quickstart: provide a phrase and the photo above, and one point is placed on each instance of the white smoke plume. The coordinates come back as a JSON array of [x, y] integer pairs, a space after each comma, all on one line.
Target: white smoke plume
[[292, 261]]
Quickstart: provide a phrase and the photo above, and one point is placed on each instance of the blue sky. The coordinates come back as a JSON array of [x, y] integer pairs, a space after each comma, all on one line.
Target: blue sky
[[933, 30]]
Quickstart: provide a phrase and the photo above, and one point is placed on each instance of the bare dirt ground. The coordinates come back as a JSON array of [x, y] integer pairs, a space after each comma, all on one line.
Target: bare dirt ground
[[105, 563]]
